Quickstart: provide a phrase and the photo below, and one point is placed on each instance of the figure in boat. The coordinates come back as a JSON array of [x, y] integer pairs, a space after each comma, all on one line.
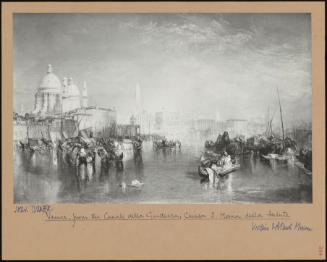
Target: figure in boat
[[216, 165]]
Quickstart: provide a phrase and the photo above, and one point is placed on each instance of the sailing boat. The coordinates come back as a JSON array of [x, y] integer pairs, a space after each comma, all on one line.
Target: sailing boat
[[281, 119], [269, 131], [278, 157]]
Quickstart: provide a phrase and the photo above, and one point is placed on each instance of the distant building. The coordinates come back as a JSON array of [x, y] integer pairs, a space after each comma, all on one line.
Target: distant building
[[173, 125], [127, 131], [63, 105], [207, 128], [167, 123], [256, 126], [49, 128], [140, 116], [159, 120], [94, 118], [205, 124], [203, 128], [302, 136], [71, 98], [132, 120], [167, 120], [48, 98], [146, 122], [237, 127], [53, 98]]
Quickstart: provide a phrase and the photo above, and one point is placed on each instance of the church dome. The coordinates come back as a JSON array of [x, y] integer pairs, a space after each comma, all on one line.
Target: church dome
[[50, 82], [72, 89]]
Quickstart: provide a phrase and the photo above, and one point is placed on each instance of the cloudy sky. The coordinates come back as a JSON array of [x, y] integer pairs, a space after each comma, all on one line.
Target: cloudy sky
[[196, 63]]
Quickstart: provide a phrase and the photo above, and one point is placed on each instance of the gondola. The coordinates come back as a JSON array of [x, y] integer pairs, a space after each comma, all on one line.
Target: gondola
[[165, 147]]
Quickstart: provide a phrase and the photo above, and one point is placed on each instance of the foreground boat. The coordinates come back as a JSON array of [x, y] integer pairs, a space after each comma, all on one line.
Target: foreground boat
[[275, 157], [300, 166], [204, 173]]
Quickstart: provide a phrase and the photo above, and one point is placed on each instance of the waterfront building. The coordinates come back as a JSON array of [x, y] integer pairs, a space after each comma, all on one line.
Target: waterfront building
[[71, 98], [256, 126], [237, 127], [173, 125], [53, 98], [132, 120], [205, 128], [302, 135], [205, 124], [62, 104], [127, 131], [146, 122], [141, 117], [95, 119], [49, 95]]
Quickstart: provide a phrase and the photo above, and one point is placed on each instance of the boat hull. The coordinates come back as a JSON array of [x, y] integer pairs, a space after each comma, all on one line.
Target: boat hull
[[203, 172]]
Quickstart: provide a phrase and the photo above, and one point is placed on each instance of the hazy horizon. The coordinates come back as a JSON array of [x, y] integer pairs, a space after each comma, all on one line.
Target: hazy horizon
[[203, 64]]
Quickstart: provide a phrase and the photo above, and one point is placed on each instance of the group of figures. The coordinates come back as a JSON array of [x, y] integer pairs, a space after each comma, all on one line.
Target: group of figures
[[221, 157], [259, 144], [164, 143], [77, 151], [87, 160], [281, 151]]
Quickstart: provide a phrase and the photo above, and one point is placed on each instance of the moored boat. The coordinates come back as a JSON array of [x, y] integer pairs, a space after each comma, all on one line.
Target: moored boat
[[276, 157], [164, 144]]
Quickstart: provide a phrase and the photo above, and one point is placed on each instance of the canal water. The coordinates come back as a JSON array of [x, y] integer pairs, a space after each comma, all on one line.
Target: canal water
[[168, 176]]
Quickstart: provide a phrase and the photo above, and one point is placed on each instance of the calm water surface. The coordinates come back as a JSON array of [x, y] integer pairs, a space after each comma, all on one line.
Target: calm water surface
[[168, 177]]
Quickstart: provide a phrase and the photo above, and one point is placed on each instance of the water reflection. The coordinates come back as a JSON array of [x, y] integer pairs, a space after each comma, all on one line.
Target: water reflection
[[169, 176]]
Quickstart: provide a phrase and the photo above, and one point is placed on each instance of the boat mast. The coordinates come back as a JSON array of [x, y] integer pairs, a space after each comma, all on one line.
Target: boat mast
[[270, 126], [268, 122], [281, 117], [61, 129]]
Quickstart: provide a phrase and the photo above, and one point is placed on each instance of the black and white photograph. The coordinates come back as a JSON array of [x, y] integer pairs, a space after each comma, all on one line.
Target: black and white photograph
[[162, 108]]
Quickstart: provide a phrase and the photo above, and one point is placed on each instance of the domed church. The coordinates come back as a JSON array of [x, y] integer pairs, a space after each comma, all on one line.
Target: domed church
[[52, 97]]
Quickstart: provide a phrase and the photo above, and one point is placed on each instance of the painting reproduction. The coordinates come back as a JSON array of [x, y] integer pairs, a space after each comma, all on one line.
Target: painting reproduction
[[167, 108]]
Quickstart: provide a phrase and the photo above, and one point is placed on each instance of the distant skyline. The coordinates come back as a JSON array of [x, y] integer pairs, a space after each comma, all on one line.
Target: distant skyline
[[206, 64]]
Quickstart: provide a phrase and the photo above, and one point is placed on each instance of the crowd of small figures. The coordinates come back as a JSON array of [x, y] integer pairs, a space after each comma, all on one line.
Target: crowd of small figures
[[79, 150], [221, 156], [164, 143]]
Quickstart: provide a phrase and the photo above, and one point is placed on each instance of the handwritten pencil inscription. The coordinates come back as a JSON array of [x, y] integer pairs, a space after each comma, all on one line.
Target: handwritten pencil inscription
[[272, 220], [279, 226]]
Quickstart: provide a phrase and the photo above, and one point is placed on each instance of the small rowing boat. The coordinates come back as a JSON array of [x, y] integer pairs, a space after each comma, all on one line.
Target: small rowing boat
[[275, 157], [203, 172]]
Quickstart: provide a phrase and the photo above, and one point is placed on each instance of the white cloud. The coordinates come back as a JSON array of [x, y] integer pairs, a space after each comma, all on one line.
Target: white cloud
[[199, 63]]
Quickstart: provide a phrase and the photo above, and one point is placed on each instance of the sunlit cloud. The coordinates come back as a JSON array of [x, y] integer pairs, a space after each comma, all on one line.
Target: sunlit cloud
[[199, 63]]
